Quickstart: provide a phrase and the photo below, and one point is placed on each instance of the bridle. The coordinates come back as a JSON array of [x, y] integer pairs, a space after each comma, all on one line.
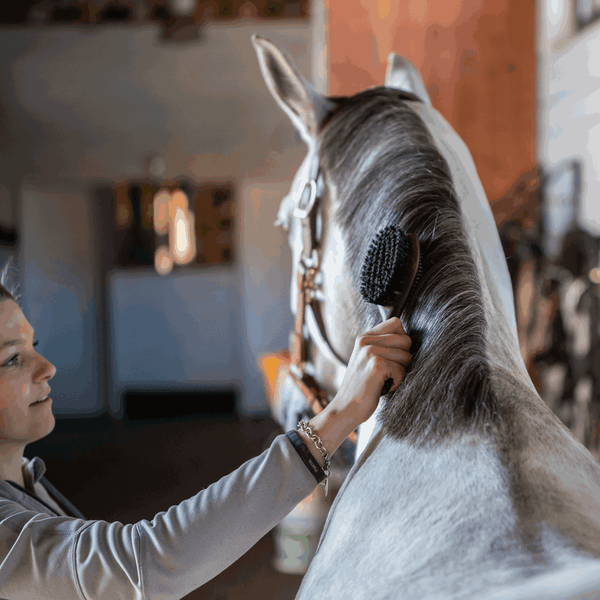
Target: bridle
[[303, 203]]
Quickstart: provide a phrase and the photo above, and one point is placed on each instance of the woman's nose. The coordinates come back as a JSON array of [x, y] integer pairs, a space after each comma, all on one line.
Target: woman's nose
[[45, 369]]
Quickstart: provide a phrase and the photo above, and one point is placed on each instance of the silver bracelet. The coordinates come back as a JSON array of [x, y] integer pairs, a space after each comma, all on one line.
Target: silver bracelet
[[304, 426]]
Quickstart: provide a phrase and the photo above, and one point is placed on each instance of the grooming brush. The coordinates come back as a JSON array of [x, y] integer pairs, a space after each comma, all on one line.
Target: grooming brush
[[390, 272]]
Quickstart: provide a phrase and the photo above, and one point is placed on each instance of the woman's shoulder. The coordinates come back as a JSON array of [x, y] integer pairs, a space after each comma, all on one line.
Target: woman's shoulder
[[9, 492]]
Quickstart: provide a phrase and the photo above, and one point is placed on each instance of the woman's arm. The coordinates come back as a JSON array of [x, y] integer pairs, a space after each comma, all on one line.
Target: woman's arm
[[380, 353], [61, 558]]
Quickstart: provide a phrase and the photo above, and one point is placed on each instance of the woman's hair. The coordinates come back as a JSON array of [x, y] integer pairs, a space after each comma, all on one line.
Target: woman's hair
[[8, 290]]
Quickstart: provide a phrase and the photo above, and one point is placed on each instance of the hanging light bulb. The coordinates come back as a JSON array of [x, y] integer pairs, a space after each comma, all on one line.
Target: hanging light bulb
[[163, 263], [182, 232], [161, 211], [184, 8]]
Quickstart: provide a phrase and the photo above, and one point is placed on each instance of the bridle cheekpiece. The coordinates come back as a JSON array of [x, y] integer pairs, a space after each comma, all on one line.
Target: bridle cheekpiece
[[308, 321]]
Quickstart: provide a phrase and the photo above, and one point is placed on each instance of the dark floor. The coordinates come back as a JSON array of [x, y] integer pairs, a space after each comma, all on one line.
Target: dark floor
[[130, 470]]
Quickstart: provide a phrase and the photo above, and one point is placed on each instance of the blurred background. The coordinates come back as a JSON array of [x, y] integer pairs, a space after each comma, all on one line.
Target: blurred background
[[142, 161]]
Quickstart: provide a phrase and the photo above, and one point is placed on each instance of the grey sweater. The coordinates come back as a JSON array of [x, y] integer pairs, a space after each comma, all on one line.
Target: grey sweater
[[55, 557]]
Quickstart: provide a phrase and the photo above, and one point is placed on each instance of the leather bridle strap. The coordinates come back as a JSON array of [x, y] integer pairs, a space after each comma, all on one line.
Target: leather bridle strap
[[307, 269], [306, 212]]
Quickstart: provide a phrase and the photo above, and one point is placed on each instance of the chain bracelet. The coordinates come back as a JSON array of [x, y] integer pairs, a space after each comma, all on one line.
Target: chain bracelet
[[304, 426]]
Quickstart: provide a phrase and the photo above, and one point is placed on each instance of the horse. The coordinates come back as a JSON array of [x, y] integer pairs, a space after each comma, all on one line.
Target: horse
[[464, 483]]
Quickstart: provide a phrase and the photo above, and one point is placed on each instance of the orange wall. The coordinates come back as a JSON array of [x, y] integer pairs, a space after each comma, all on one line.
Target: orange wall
[[476, 57]]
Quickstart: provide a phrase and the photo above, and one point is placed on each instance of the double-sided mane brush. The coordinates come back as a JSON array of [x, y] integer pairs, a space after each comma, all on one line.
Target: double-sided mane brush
[[390, 273]]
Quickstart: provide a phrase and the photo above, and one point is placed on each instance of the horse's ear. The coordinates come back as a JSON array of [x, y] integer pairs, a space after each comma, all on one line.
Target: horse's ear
[[402, 75], [301, 102]]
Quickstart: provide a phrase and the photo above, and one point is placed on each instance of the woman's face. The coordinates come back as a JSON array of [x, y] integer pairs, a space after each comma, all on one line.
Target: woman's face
[[25, 410]]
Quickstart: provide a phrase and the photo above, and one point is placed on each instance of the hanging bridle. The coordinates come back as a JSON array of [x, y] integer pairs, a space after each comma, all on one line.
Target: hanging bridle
[[308, 320]]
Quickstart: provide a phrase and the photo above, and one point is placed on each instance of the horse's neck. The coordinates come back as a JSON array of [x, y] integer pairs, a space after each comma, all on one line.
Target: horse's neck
[[484, 242], [502, 343], [502, 347]]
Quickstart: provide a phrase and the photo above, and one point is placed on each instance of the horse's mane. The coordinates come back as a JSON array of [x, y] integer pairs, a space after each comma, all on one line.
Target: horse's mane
[[386, 169]]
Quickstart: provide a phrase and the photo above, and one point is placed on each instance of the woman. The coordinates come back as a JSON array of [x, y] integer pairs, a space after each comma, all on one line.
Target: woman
[[47, 550]]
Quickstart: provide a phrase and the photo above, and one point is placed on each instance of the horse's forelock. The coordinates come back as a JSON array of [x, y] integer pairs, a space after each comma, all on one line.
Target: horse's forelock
[[387, 170]]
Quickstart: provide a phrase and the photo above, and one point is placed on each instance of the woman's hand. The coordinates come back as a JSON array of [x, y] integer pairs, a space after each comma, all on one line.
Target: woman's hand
[[380, 353]]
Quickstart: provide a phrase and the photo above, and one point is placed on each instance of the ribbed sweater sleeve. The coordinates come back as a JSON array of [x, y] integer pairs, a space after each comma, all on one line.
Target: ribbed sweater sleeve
[[61, 558]]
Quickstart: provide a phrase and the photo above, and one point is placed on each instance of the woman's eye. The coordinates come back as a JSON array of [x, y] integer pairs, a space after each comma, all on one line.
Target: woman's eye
[[13, 361], [16, 360]]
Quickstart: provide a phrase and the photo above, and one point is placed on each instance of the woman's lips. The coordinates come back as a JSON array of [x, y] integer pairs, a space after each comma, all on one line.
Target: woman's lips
[[41, 401]]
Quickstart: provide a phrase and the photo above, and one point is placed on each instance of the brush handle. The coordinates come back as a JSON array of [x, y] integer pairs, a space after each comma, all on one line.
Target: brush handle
[[386, 386], [388, 382], [383, 312]]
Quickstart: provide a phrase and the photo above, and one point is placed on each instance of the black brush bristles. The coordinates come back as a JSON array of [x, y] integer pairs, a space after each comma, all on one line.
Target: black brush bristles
[[386, 266]]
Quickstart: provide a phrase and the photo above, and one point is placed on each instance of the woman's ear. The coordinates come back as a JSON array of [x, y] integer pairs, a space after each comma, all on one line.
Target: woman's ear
[[301, 102]]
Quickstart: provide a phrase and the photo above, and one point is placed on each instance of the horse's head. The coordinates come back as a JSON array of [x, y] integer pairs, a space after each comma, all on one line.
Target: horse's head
[[313, 195], [382, 157]]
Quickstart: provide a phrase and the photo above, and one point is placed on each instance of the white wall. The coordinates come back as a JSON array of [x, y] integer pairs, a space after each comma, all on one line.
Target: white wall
[[569, 99], [177, 331], [59, 261], [266, 317], [96, 104], [82, 108]]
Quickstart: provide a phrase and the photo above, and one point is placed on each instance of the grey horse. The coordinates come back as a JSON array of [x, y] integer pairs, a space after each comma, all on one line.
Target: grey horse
[[465, 484]]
